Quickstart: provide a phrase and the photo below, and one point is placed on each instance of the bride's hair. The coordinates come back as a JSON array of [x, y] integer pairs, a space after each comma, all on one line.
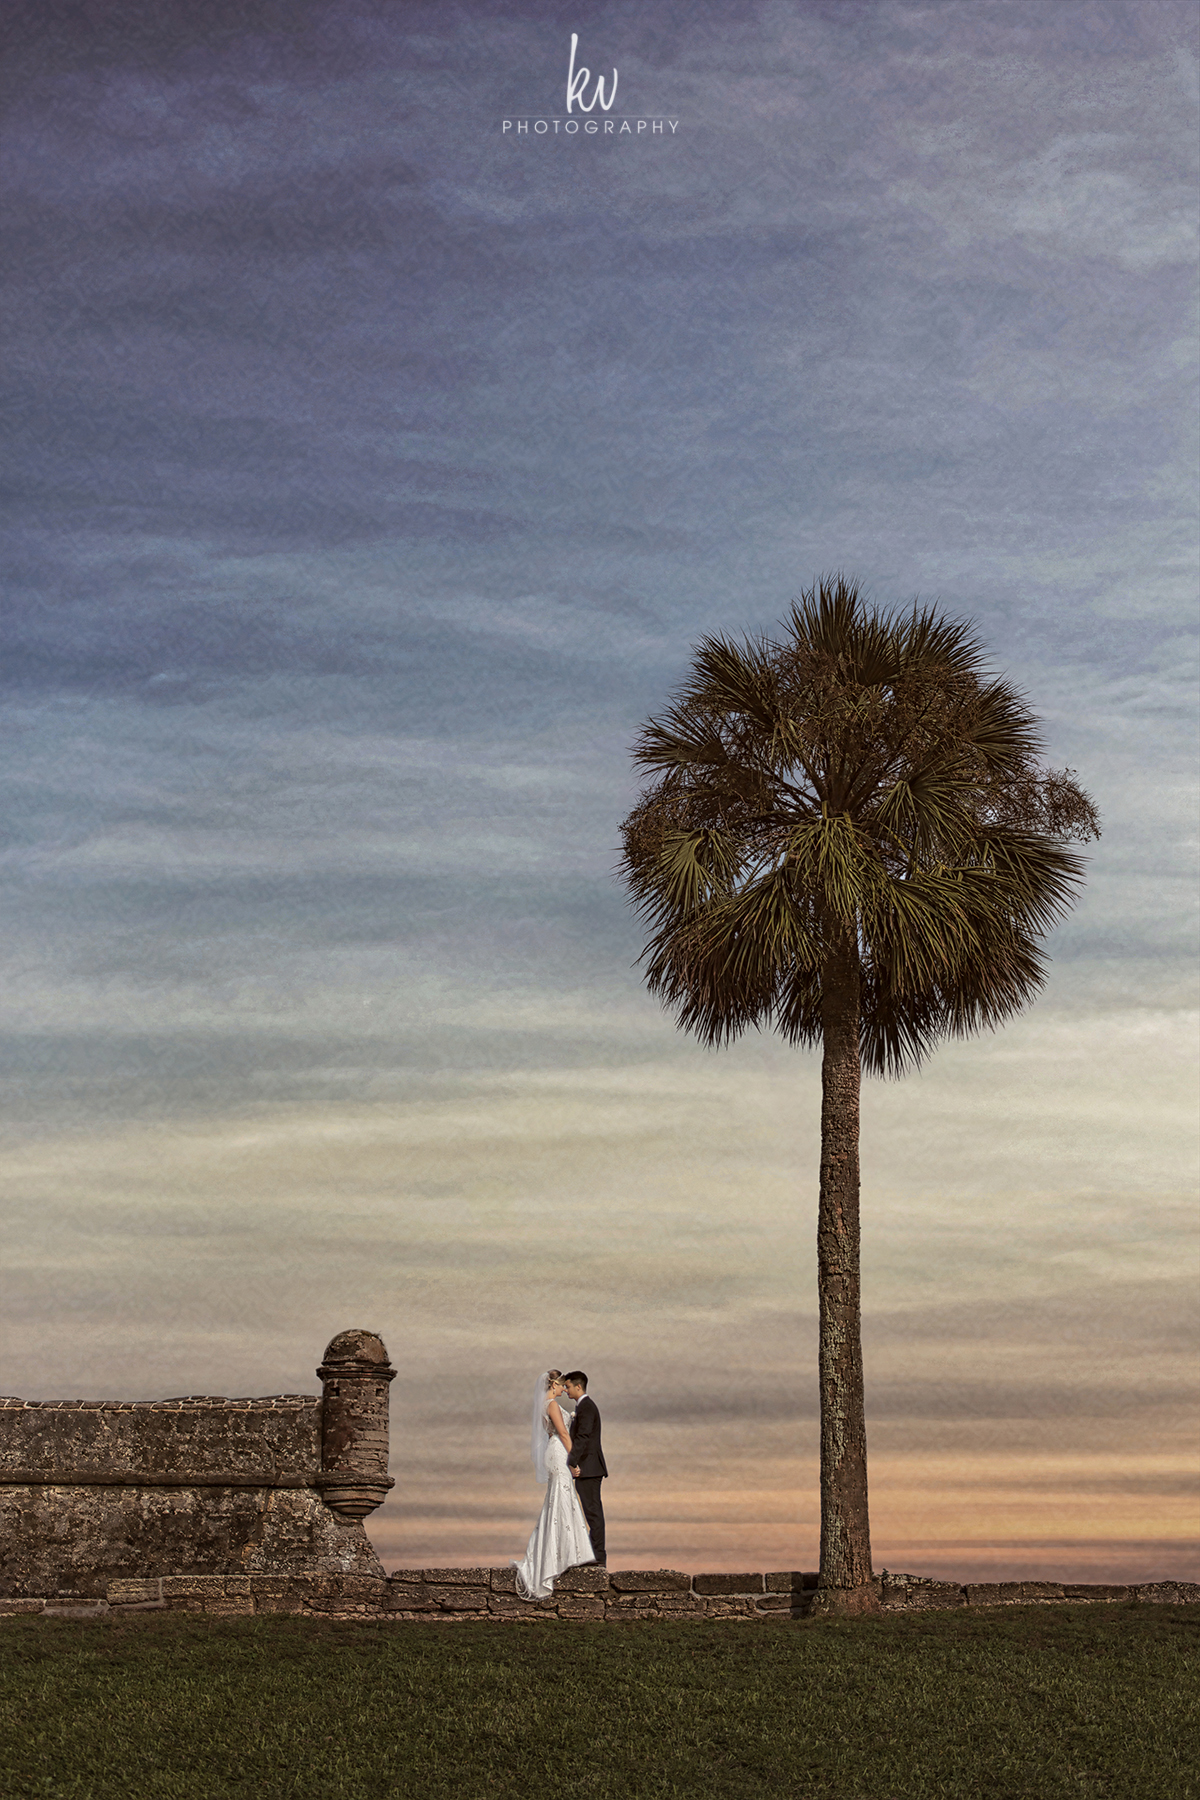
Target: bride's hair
[[553, 1375]]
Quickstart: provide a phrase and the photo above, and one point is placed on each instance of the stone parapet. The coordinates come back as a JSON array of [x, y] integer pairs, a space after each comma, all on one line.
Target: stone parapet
[[201, 1441], [448, 1596]]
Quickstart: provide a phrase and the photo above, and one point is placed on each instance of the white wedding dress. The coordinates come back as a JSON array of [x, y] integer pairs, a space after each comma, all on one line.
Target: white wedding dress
[[560, 1538]]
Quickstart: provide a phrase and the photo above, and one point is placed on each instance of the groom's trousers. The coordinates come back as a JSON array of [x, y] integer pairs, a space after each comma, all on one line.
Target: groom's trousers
[[588, 1489]]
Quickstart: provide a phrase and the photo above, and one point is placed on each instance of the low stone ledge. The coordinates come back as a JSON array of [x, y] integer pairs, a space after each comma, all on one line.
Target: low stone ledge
[[649, 1581], [993, 1593], [728, 1584], [1168, 1593], [914, 1593], [450, 1596], [1013, 1593]]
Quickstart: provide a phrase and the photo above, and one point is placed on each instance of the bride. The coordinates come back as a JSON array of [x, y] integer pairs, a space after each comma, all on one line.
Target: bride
[[560, 1538]]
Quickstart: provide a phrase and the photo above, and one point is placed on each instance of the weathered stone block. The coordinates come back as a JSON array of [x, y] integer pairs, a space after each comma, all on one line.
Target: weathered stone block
[[475, 1578], [581, 1606], [504, 1581], [229, 1606], [128, 1593], [301, 1588], [936, 1596], [269, 1587], [993, 1593], [11, 1608], [407, 1576], [779, 1581], [1107, 1591], [729, 1606], [918, 1593], [667, 1601], [197, 1587], [727, 1584], [585, 1580], [510, 1606], [1034, 1591], [1168, 1593], [648, 1581], [410, 1596], [796, 1602], [460, 1599]]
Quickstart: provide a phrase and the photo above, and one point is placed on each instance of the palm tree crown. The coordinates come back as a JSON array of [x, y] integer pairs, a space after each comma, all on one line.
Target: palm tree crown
[[860, 779]]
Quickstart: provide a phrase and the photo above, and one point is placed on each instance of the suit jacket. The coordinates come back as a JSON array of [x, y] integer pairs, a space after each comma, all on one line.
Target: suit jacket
[[586, 1453]]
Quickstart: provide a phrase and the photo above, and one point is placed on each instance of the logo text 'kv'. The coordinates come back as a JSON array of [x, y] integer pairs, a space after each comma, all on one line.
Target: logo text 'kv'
[[577, 80]]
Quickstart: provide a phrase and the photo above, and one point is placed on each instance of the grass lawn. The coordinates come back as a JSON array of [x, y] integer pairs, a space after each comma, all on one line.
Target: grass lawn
[[1028, 1701]]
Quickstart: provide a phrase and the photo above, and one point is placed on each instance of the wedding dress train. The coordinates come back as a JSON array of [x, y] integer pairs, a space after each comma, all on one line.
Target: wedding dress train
[[560, 1538]]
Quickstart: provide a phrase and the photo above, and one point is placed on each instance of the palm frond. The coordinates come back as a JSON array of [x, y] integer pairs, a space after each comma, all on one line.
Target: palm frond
[[692, 868]]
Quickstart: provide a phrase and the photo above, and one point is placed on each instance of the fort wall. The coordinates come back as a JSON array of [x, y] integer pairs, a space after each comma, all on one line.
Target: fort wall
[[202, 1504], [93, 1492]]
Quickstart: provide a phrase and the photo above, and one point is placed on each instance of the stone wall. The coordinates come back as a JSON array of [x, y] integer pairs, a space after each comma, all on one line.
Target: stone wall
[[97, 1491], [256, 1506], [449, 1596]]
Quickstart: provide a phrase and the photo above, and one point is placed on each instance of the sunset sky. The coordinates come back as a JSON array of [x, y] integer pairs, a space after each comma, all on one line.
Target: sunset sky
[[373, 472]]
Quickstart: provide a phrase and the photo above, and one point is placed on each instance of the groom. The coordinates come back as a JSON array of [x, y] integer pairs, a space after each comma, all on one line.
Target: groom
[[586, 1461]]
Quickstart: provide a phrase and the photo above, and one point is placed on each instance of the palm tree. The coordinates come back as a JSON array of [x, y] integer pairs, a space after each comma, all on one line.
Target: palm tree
[[848, 834]]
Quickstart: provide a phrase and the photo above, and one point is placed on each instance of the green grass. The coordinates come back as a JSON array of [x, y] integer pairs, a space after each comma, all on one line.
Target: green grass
[[1030, 1701]]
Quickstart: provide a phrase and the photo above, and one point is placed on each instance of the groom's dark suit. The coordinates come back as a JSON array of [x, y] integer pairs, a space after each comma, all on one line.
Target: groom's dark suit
[[588, 1457]]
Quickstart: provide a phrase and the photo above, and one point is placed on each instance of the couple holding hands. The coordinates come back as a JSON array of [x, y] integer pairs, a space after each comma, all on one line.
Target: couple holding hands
[[568, 1458]]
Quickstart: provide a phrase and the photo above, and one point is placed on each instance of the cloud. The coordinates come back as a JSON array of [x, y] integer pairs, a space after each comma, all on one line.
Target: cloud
[[372, 478]]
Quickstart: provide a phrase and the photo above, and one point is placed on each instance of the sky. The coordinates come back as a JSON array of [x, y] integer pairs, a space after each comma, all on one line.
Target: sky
[[373, 471]]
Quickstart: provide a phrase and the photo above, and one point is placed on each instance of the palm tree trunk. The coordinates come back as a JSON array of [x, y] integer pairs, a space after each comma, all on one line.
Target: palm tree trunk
[[845, 1530]]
